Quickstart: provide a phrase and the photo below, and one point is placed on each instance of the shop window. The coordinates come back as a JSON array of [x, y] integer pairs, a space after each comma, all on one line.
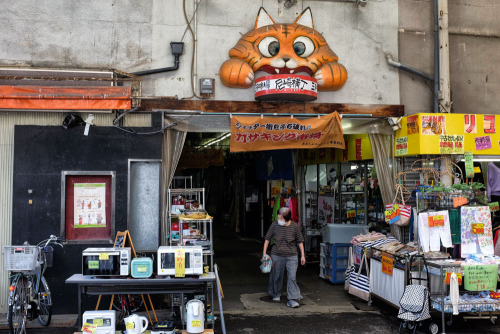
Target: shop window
[[87, 206]]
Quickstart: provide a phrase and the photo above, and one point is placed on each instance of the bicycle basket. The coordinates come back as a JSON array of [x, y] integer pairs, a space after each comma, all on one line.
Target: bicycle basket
[[49, 256], [20, 258]]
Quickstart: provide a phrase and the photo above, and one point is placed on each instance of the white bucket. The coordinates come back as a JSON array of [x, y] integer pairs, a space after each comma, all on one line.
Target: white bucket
[[195, 319]]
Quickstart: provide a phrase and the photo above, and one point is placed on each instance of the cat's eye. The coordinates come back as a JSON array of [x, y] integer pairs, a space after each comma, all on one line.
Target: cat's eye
[[303, 46], [269, 47]]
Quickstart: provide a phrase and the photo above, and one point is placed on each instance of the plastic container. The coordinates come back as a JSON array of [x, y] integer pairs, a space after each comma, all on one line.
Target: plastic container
[[195, 318], [141, 267], [342, 233]]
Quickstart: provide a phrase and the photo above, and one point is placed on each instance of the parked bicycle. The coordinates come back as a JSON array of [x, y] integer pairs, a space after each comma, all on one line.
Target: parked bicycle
[[29, 296]]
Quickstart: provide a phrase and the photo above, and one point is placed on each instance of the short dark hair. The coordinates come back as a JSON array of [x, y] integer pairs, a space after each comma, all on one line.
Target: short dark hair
[[285, 213]]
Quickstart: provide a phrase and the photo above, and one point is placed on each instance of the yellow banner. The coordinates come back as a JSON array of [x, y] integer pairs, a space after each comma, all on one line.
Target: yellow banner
[[180, 263], [272, 133]]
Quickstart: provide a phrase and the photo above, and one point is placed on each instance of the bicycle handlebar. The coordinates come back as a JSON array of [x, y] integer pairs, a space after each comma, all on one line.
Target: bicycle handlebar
[[53, 239]]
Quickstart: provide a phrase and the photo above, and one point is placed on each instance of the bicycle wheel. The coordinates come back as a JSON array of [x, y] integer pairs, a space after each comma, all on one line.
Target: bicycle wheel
[[44, 303], [18, 299]]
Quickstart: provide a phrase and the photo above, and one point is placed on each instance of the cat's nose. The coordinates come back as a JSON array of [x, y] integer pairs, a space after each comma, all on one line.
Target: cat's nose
[[286, 59]]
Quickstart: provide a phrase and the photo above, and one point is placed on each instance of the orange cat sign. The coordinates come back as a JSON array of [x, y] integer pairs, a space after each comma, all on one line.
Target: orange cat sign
[[283, 49]]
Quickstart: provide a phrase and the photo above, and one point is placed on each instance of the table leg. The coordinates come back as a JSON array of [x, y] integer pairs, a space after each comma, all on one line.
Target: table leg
[[79, 317]]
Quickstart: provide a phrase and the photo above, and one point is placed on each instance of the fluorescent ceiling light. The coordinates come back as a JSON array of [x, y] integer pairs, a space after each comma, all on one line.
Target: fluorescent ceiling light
[[213, 142], [484, 159]]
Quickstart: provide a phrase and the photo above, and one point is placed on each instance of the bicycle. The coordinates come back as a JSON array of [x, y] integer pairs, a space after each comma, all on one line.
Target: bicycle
[[29, 296]]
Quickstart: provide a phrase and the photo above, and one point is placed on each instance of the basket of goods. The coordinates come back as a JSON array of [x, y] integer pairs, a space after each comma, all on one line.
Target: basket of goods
[[194, 214]]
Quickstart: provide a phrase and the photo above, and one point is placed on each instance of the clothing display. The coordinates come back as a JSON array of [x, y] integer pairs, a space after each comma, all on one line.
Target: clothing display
[[455, 225], [470, 241], [430, 237], [493, 185]]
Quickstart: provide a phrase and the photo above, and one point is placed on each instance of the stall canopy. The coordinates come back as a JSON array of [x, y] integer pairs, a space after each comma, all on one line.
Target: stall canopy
[[64, 98]]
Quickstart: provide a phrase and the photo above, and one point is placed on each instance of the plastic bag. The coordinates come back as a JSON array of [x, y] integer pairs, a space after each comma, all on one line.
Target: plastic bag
[[266, 265]]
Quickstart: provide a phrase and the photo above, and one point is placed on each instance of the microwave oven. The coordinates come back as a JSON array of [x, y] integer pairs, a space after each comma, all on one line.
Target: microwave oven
[[193, 260], [106, 261]]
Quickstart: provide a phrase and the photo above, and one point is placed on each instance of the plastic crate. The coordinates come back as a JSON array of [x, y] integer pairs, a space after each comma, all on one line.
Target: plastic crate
[[340, 250], [339, 276], [20, 258], [341, 262]]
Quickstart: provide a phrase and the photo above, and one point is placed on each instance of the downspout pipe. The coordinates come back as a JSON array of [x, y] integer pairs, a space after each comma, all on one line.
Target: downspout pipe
[[177, 49], [406, 68]]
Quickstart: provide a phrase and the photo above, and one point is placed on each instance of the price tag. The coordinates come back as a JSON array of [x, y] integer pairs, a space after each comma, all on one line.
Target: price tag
[[436, 221], [88, 328], [93, 264], [130, 325], [457, 201], [448, 276], [477, 169], [478, 228], [351, 214], [180, 263], [103, 256], [142, 269], [98, 322], [494, 206], [196, 323], [387, 263]]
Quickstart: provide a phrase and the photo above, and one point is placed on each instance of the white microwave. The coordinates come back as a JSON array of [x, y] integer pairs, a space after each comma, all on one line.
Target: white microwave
[[106, 261], [193, 260]]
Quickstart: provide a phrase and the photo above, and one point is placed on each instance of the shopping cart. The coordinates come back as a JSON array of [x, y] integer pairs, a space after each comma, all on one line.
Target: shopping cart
[[414, 304]]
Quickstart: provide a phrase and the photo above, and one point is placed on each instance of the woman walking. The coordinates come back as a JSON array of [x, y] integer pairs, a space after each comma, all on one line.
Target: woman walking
[[287, 237]]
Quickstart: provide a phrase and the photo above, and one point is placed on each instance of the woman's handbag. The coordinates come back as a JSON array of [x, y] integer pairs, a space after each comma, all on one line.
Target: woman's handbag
[[396, 213], [359, 284]]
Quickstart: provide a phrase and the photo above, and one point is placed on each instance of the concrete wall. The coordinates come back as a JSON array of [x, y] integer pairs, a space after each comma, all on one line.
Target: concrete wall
[[135, 35], [474, 47]]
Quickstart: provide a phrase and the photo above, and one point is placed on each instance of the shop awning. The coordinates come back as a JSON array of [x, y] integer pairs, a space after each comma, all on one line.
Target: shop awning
[[64, 98], [193, 121]]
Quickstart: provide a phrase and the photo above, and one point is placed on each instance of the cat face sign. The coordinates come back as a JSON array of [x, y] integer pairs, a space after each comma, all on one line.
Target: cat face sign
[[283, 49]]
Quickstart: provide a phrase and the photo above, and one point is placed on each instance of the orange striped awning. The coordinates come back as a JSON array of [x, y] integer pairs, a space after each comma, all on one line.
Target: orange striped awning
[[54, 98]]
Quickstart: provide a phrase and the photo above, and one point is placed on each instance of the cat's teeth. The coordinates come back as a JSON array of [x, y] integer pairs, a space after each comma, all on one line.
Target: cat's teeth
[[291, 71], [277, 71]]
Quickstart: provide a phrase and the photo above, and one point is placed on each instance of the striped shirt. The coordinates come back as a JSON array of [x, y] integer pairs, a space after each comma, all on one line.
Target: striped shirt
[[286, 238]]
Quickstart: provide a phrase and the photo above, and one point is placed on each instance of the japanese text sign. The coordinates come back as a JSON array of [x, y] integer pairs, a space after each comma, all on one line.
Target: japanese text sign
[[481, 277], [483, 143], [271, 133], [433, 125], [469, 164], [412, 125], [436, 221], [387, 263], [401, 146], [180, 263], [458, 201], [451, 144]]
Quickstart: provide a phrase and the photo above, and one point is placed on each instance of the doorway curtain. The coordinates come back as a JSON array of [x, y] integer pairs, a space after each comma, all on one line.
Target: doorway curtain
[[383, 153], [172, 144]]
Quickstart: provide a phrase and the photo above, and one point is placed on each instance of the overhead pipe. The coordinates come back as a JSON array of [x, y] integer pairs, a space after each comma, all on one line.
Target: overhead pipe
[[177, 49], [406, 68]]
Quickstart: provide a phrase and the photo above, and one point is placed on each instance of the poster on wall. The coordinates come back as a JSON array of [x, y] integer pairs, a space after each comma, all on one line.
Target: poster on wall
[[90, 205], [433, 125], [412, 125], [483, 143], [451, 144], [326, 205], [401, 146], [470, 124]]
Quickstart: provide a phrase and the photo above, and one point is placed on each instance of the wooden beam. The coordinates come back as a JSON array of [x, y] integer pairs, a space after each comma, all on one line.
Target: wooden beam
[[376, 110]]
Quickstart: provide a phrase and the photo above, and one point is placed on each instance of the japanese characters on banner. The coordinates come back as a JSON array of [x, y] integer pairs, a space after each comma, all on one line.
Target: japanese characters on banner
[[401, 145], [90, 205], [469, 164], [271, 133], [451, 144]]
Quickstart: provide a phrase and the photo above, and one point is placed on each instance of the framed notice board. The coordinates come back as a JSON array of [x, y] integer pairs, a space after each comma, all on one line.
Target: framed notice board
[[88, 206]]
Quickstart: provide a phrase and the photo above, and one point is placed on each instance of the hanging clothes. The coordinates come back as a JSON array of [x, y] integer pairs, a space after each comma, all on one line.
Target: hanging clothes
[[470, 241], [454, 294], [497, 244], [430, 237], [455, 226], [277, 205], [295, 209], [493, 177]]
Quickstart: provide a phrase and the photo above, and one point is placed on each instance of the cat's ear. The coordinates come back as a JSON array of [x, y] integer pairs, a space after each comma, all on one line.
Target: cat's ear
[[263, 19], [306, 18]]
